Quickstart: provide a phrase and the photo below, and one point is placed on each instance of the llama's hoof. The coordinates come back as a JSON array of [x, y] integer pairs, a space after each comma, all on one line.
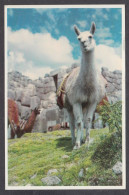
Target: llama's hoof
[[76, 147]]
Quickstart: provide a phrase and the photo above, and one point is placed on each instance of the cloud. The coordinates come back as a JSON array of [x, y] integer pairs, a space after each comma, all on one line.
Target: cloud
[[108, 57], [103, 33], [29, 52], [82, 23]]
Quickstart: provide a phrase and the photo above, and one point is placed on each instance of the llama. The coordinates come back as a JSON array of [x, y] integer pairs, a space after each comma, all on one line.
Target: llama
[[13, 118], [30, 123], [83, 89], [18, 128]]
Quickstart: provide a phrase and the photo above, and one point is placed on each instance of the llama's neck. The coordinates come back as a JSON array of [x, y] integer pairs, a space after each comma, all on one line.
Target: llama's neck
[[30, 122], [87, 70]]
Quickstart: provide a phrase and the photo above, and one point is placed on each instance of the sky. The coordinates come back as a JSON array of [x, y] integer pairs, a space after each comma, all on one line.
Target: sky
[[40, 40]]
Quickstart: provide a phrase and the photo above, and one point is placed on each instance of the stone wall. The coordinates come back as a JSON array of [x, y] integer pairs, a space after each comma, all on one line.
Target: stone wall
[[41, 93]]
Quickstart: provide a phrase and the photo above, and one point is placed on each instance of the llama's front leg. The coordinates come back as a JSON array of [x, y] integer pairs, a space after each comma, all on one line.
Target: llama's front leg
[[72, 126], [78, 115], [88, 120]]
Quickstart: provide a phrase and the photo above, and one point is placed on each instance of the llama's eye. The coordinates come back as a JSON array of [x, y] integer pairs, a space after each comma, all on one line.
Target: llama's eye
[[90, 37]]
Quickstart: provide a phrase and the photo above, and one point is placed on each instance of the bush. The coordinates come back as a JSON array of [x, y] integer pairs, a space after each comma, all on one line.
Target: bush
[[112, 115]]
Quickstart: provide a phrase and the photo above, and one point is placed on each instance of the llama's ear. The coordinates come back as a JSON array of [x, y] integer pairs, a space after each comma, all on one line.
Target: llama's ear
[[92, 30], [77, 31]]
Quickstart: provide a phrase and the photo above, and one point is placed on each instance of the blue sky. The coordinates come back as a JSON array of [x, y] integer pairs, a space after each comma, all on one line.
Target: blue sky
[[56, 27]]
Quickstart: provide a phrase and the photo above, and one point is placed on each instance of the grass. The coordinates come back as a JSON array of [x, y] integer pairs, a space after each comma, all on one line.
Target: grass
[[37, 153]]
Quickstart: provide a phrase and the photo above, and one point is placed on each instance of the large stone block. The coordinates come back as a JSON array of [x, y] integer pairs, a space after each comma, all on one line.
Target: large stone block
[[52, 114], [34, 102], [41, 122], [11, 94], [25, 112], [44, 104], [110, 88], [18, 94], [25, 100], [117, 72], [48, 96], [19, 107]]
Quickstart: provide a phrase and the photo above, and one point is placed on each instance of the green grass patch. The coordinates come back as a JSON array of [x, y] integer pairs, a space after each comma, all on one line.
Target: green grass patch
[[37, 153]]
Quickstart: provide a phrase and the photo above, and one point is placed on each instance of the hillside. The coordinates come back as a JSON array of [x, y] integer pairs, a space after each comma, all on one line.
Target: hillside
[[32, 156]]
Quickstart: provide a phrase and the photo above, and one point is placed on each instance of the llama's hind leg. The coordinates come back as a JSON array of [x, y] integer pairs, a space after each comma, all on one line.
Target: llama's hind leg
[[72, 126], [77, 110], [88, 120]]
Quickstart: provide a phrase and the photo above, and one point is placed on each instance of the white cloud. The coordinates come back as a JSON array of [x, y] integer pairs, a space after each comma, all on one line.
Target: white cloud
[[103, 33], [107, 57], [37, 52], [82, 23]]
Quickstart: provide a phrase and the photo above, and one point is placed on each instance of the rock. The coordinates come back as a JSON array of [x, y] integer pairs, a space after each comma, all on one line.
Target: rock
[[44, 104], [51, 171], [104, 69], [11, 94], [34, 102], [109, 79], [18, 94], [46, 75], [65, 156], [51, 180], [52, 114], [34, 176], [25, 112], [25, 100], [81, 174], [117, 168], [19, 107], [110, 88], [117, 72]]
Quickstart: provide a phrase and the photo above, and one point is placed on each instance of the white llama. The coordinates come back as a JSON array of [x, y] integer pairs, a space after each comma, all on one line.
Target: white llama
[[83, 89]]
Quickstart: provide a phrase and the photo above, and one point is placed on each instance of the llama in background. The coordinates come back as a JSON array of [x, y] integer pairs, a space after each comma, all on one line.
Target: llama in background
[[84, 90], [18, 128]]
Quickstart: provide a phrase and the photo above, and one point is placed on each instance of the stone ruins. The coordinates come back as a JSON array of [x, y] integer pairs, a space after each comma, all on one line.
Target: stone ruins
[[41, 93]]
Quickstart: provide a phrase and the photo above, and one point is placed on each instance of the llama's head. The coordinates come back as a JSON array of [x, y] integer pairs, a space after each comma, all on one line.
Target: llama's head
[[86, 38]]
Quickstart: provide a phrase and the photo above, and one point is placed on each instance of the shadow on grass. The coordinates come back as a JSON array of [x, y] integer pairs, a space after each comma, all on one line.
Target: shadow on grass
[[65, 143]]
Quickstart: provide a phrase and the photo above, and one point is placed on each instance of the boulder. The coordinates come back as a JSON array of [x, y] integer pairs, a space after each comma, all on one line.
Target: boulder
[[117, 72], [19, 107], [11, 94], [51, 171], [41, 122], [25, 100], [117, 168], [52, 114], [44, 104], [51, 180], [18, 94], [25, 112], [34, 102], [81, 174], [46, 75]]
